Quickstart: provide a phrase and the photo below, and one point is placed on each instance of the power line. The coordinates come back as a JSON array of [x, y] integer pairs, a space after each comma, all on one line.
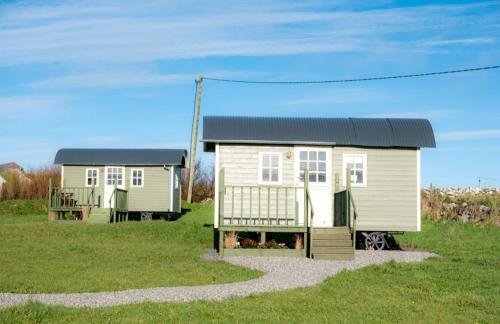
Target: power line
[[358, 79]]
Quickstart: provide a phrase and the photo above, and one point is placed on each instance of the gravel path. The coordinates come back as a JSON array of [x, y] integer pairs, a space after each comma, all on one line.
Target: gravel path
[[280, 273]]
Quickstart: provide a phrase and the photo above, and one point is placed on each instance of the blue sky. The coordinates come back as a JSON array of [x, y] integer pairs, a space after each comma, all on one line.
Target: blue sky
[[121, 74]]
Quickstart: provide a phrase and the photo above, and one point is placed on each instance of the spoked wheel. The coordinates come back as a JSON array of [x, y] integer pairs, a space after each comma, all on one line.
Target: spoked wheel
[[146, 216], [375, 241]]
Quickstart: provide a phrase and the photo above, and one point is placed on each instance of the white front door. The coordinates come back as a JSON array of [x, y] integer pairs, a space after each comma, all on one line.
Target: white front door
[[112, 175], [318, 161]]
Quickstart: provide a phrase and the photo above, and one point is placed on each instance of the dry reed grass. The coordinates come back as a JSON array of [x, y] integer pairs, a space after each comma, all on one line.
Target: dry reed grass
[[29, 185], [299, 243], [230, 240]]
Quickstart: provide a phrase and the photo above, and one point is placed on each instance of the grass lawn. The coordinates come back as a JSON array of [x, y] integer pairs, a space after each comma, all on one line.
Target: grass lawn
[[36, 256], [463, 285]]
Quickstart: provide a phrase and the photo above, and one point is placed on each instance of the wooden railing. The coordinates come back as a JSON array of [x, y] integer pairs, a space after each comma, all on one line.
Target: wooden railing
[[72, 198], [118, 202], [265, 205]]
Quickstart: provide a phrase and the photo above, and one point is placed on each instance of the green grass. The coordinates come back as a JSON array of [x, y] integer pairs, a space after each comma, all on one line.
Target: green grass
[[23, 211], [462, 285], [36, 256]]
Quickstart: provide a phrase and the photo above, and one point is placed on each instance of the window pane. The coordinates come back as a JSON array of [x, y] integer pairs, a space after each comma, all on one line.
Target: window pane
[[134, 173], [312, 155], [274, 175], [265, 175], [322, 156], [321, 166], [139, 182], [274, 161], [265, 160], [89, 181], [321, 177], [303, 165], [303, 155], [312, 177], [94, 173], [358, 159], [301, 177], [359, 176], [134, 182], [313, 166], [350, 165]]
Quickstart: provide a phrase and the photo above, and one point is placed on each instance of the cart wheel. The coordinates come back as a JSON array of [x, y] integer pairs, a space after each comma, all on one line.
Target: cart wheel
[[146, 216], [375, 241]]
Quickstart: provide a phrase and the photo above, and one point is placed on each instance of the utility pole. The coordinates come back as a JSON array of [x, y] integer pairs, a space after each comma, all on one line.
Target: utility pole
[[194, 136]]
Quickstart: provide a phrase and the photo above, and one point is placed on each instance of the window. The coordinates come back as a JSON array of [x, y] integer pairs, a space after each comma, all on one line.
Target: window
[[315, 162], [357, 164], [92, 177], [270, 168], [176, 180], [137, 178], [114, 176]]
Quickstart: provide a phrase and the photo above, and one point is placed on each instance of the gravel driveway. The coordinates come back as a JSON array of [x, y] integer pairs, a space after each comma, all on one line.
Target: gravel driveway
[[280, 273]]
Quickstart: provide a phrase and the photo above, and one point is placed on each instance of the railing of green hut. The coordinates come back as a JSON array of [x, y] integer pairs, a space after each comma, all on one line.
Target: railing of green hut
[[263, 205], [72, 198], [345, 213], [118, 202]]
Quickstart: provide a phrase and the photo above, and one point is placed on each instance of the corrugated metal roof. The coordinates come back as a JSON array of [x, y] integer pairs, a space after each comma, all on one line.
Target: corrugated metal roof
[[376, 132], [121, 157]]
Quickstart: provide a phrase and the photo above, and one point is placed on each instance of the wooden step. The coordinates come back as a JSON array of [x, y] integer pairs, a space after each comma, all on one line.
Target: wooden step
[[344, 236], [333, 256], [331, 230], [332, 243], [334, 250]]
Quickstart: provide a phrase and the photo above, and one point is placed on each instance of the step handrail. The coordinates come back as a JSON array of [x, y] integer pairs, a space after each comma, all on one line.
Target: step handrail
[[350, 201]]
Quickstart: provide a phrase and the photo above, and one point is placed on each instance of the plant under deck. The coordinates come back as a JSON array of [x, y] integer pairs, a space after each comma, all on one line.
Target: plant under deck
[[463, 285], [36, 256]]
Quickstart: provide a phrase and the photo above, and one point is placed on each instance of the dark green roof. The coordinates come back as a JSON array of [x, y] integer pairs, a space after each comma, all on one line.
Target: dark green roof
[[121, 157], [375, 132]]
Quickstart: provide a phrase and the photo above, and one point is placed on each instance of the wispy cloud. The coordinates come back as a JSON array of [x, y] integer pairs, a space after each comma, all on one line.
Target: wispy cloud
[[469, 135], [345, 96], [433, 114], [128, 31], [461, 41], [125, 77], [16, 105]]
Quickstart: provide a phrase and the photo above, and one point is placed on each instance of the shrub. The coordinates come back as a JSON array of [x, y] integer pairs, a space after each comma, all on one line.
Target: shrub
[[203, 183]]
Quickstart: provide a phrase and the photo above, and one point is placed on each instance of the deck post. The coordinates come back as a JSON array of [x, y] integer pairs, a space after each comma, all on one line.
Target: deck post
[[115, 201], [348, 195], [222, 191], [306, 203], [263, 238], [221, 243]]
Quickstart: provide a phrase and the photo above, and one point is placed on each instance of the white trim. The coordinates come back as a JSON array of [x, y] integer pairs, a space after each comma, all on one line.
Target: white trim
[[296, 167], [171, 188], [179, 175], [364, 156], [62, 176], [132, 178], [280, 169], [122, 186], [419, 199], [216, 196], [87, 177]]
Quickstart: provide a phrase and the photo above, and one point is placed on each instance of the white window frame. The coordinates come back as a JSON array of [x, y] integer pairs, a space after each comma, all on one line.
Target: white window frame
[[327, 161], [106, 173], [87, 177], [132, 178], [280, 169], [344, 167]]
